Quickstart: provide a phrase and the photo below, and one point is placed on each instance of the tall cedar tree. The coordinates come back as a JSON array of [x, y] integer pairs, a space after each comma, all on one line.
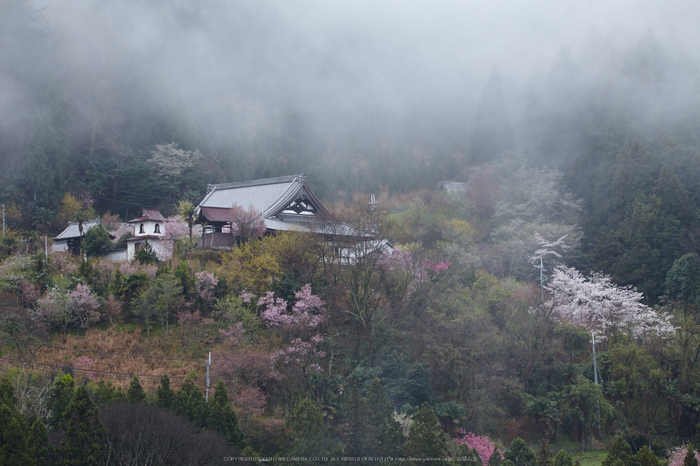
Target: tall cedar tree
[[60, 396], [620, 451], [135, 393], [382, 434], [41, 450], [544, 456], [190, 403], [85, 435], [165, 397], [426, 439], [223, 418]]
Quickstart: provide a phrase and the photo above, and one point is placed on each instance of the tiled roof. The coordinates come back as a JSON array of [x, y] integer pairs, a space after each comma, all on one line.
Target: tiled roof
[[148, 214], [268, 196]]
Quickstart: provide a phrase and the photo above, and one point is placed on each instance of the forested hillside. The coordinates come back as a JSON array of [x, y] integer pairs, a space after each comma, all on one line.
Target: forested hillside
[[574, 212]]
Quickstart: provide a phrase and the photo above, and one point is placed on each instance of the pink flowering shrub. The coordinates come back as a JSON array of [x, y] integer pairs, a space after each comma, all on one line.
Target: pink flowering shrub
[[82, 362], [300, 327], [307, 311], [676, 455], [484, 447], [438, 267], [246, 223], [83, 305], [205, 283]]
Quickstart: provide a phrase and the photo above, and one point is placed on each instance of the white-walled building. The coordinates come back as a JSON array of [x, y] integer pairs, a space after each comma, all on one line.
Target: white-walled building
[[148, 227]]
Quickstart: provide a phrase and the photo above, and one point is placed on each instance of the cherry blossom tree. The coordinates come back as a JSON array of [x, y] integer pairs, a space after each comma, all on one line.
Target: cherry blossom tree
[[484, 447], [82, 305], [246, 223], [596, 303]]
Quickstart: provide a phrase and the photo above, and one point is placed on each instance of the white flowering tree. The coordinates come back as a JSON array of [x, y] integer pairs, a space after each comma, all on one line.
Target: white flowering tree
[[596, 303]]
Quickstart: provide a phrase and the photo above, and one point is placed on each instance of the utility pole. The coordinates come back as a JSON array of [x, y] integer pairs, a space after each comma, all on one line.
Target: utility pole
[[595, 379], [373, 204], [3, 220], [208, 364]]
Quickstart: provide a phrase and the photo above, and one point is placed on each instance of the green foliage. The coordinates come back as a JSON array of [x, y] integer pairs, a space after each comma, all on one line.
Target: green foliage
[[496, 459], [146, 254], [645, 457], [307, 432], [40, 449], [104, 393], [85, 435], [375, 431], [159, 300], [519, 453], [562, 458], [135, 393], [683, 279], [165, 397], [223, 419], [689, 459], [96, 242], [190, 403], [426, 439], [620, 454], [60, 396], [14, 444], [544, 455]]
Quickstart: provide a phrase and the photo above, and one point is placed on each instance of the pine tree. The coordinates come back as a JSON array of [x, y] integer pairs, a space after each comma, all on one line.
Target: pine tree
[[620, 451], [382, 434], [426, 439], [223, 418], [165, 397], [190, 403], [14, 445], [563, 459], [645, 457], [519, 453], [544, 456], [60, 397], [40, 449], [85, 435], [135, 393]]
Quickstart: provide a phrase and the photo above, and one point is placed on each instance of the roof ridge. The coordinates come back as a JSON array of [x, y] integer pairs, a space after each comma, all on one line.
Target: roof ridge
[[260, 182]]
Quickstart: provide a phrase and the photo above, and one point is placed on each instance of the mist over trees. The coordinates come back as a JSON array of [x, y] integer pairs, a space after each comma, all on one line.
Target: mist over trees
[[573, 132]]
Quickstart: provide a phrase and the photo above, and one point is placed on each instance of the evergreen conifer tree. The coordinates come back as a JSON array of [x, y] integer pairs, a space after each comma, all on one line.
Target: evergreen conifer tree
[[190, 403], [223, 418], [165, 397], [544, 456], [84, 443], [562, 458], [620, 451], [496, 458], [382, 434], [60, 396], [135, 393], [40, 449], [645, 457], [426, 439], [519, 453]]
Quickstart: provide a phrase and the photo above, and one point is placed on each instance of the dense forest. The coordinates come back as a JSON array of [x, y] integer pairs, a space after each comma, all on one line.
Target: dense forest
[[519, 226]]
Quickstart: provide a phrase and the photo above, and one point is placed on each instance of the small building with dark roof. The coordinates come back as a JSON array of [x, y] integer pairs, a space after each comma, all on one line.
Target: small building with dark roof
[[71, 238]]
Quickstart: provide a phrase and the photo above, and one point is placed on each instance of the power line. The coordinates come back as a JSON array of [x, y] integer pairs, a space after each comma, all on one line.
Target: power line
[[97, 371], [99, 352]]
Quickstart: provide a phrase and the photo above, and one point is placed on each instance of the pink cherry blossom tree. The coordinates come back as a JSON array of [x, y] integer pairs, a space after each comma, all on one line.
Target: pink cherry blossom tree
[[246, 223], [484, 447]]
